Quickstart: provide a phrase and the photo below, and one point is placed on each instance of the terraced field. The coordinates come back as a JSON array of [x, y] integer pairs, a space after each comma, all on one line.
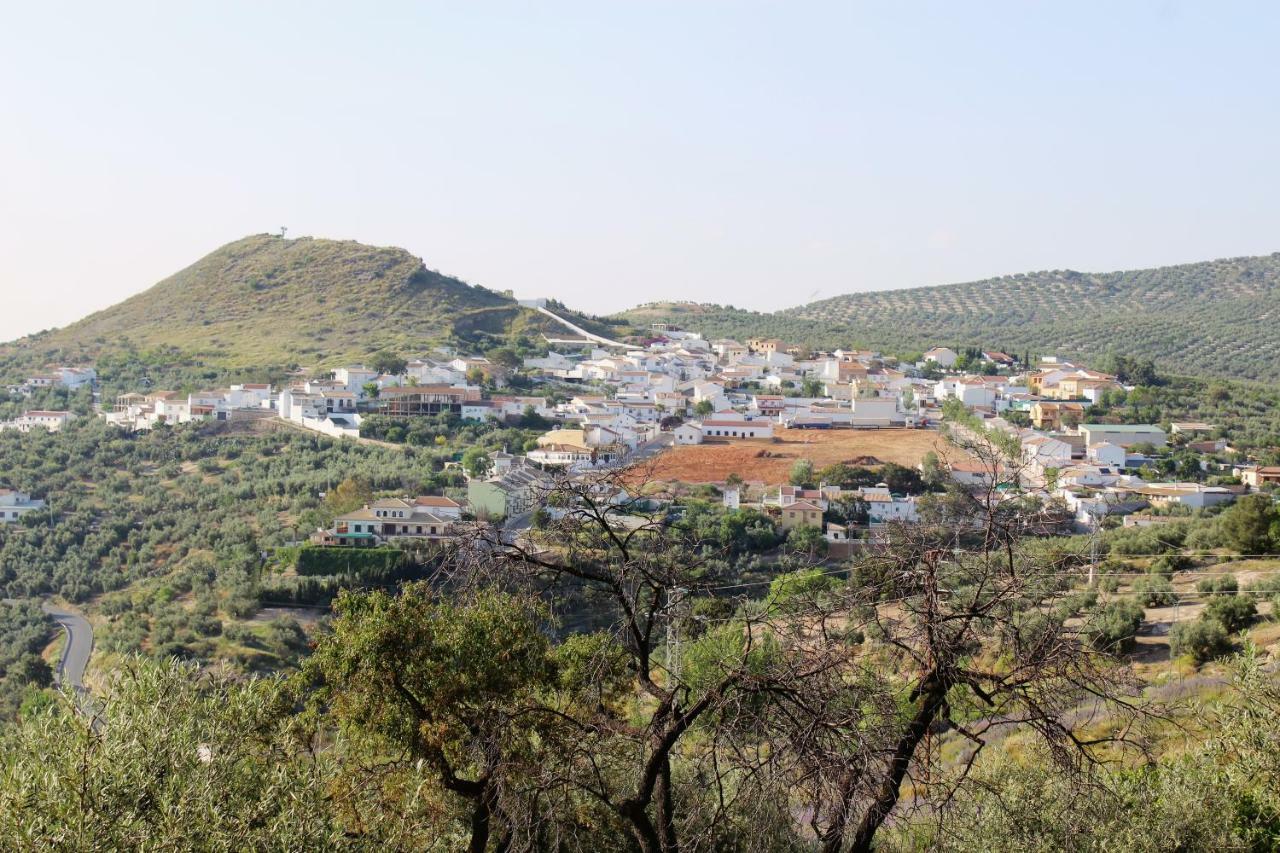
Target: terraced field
[[1216, 318]]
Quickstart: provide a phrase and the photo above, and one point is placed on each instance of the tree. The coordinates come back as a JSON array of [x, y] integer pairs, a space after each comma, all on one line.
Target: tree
[[849, 511], [808, 540], [504, 357], [450, 684], [1202, 639], [1234, 612], [389, 362], [370, 390], [802, 473], [702, 408], [1248, 524], [476, 462], [187, 761], [901, 479], [351, 494], [624, 736], [811, 387]]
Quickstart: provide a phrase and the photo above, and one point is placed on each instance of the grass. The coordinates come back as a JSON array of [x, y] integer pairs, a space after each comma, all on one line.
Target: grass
[[266, 300]]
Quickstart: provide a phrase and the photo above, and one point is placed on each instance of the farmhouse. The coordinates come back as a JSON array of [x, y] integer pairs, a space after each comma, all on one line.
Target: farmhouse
[[393, 519], [15, 504], [736, 429], [1257, 476], [800, 514]]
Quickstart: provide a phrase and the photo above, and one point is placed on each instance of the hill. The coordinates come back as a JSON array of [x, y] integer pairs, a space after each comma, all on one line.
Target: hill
[[1215, 318], [270, 300]]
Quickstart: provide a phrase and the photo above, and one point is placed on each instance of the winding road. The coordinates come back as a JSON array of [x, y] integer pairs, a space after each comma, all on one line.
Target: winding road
[[76, 651], [77, 648]]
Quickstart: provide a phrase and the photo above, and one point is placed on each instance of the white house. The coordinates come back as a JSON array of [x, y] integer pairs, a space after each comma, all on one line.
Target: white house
[[39, 419], [1107, 454], [942, 356], [249, 395], [15, 504], [884, 507], [736, 429], [876, 411], [354, 379], [688, 434]]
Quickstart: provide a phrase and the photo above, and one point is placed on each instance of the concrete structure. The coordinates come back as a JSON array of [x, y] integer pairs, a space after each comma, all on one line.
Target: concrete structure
[[1123, 435], [15, 504]]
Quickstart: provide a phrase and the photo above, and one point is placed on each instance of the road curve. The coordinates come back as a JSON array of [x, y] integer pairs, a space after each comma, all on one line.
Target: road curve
[[76, 651]]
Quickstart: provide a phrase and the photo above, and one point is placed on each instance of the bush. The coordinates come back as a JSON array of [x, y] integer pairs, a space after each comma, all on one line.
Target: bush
[[804, 585], [1170, 563], [1113, 627], [1155, 591], [1203, 640], [1218, 584], [369, 563], [1235, 612]]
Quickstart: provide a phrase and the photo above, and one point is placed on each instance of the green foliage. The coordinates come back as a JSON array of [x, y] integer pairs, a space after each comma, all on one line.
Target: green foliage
[[266, 300], [802, 473], [387, 361], [806, 585], [24, 631], [1218, 584], [476, 461], [1114, 626], [1202, 639], [1155, 591], [807, 540], [187, 762], [730, 532], [1249, 523], [1234, 612], [137, 513], [374, 565]]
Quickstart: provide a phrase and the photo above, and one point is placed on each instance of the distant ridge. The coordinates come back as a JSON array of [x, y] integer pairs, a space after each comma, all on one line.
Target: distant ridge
[[1214, 318], [265, 300]]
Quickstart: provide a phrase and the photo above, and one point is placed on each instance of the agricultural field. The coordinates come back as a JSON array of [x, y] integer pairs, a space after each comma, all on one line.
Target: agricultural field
[[770, 462]]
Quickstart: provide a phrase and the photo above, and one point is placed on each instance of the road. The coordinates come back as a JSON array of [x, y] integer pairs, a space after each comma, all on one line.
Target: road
[[76, 650], [581, 331]]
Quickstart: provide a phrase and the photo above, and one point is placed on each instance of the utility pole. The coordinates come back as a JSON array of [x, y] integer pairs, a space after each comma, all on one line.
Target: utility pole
[[675, 599]]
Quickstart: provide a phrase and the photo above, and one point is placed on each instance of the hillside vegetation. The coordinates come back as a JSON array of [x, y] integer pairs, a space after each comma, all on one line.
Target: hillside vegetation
[[270, 300], [1215, 318]]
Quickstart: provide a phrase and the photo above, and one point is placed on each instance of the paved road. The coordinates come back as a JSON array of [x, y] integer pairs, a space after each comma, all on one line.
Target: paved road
[[581, 331], [76, 650]]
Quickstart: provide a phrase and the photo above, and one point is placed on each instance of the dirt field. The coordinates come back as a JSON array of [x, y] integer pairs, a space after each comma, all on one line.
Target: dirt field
[[770, 461]]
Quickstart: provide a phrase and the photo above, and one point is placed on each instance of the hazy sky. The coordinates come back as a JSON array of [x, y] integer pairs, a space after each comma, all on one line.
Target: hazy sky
[[610, 153]]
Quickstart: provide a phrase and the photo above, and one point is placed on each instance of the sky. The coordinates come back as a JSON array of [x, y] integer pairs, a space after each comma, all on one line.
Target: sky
[[613, 153]]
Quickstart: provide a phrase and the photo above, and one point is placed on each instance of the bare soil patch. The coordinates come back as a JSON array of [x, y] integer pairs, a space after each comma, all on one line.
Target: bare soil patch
[[759, 460]]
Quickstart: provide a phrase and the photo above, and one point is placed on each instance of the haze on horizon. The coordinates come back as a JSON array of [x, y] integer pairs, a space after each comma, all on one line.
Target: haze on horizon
[[758, 154]]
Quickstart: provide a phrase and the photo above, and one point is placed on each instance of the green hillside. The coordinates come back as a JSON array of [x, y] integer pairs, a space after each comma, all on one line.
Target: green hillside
[[1215, 318], [270, 300]]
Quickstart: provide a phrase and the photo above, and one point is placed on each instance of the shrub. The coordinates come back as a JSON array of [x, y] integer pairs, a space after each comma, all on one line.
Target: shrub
[[1170, 563], [1203, 640], [1218, 584], [806, 584], [1155, 591], [1235, 612], [1113, 627]]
